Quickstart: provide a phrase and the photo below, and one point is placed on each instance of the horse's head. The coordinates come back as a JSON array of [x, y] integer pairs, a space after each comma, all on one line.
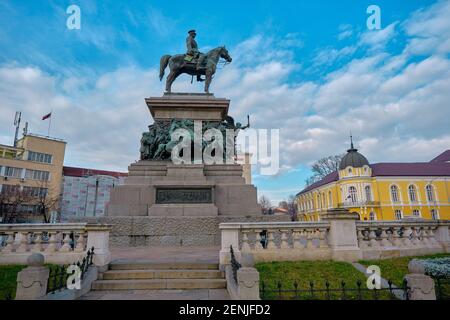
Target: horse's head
[[224, 54]]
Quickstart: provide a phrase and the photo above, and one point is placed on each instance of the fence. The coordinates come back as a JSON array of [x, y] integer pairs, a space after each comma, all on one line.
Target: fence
[[327, 292], [58, 275]]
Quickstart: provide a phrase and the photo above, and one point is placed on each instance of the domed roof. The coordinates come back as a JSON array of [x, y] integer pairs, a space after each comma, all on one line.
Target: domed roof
[[353, 158]]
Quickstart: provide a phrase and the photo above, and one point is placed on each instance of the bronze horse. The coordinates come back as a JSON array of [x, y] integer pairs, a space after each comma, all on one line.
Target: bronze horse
[[178, 65]]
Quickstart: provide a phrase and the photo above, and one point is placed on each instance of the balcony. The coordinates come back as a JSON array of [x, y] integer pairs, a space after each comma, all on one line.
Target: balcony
[[359, 204]]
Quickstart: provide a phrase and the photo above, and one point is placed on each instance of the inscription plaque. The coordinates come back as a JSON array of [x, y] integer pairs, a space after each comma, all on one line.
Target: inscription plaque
[[183, 195]]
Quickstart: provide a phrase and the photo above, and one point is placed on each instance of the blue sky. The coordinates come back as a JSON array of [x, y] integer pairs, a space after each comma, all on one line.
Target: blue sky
[[309, 68]]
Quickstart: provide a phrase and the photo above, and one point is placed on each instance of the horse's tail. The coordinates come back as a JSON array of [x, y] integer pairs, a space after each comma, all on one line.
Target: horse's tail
[[163, 65]]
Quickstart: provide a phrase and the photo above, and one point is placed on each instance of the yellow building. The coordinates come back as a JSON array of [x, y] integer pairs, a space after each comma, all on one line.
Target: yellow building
[[381, 191], [33, 169]]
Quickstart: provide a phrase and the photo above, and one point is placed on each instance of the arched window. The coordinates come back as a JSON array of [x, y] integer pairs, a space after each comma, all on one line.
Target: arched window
[[416, 213], [324, 199], [368, 193], [394, 194], [430, 193], [352, 194], [398, 214], [372, 216], [412, 193], [330, 199], [434, 214]]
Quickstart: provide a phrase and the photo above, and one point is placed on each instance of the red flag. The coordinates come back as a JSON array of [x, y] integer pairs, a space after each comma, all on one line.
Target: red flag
[[47, 116]]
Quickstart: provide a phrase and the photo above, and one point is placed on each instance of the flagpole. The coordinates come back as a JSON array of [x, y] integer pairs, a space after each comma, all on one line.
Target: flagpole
[[49, 124]]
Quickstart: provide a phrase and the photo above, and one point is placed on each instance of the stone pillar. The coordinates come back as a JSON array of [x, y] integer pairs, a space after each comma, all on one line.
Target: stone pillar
[[98, 237], [442, 235], [229, 236], [342, 237], [32, 281], [248, 283], [421, 286]]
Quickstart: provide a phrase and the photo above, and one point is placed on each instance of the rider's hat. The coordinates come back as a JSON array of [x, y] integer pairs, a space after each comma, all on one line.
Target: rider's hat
[[192, 31]]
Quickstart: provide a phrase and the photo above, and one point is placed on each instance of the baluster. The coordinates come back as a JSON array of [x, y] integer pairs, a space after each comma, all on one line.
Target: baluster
[[296, 239], [323, 238], [66, 243], [80, 242], [258, 243], [362, 243], [309, 243], [425, 238], [22, 240], [284, 240], [270, 240], [51, 247], [384, 238], [373, 239], [396, 240], [245, 243], [432, 237], [37, 242], [415, 237], [406, 237], [9, 243]]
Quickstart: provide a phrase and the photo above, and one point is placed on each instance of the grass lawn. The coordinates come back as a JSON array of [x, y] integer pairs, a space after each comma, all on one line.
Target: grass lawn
[[8, 280], [318, 272], [395, 269]]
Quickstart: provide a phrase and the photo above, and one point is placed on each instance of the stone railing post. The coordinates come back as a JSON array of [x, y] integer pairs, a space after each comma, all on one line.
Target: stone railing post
[[421, 286], [342, 237], [229, 236], [32, 281], [98, 237], [442, 235], [248, 283]]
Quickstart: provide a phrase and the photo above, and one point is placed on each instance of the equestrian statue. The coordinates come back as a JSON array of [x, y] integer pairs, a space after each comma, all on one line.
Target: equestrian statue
[[193, 63]]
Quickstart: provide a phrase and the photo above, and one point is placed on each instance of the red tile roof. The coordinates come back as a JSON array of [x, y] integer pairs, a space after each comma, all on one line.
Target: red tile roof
[[84, 172]]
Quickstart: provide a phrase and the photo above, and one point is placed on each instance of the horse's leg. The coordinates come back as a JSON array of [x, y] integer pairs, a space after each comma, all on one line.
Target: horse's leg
[[208, 77], [169, 81]]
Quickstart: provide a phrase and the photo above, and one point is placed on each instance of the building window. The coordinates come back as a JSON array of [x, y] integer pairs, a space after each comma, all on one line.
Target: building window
[[434, 214], [430, 193], [416, 213], [398, 215], [352, 194], [13, 172], [35, 191], [394, 194], [39, 157], [10, 190], [350, 170], [324, 204], [412, 193], [37, 175], [330, 199], [372, 216], [368, 193]]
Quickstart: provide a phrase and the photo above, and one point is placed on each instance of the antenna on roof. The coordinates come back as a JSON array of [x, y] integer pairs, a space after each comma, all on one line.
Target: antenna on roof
[[17, 119]]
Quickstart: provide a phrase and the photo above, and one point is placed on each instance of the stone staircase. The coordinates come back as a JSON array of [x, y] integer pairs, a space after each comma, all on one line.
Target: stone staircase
[[146, 275]]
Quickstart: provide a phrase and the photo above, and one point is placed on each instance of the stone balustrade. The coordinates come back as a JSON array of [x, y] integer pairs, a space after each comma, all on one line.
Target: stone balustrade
[[340, 236], [61, 243], [379, 239], [267, 241]]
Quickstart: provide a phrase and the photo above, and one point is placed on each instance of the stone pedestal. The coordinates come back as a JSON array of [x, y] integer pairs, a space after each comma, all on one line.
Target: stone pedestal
[[342, 236], [32, 281], [164, 189]]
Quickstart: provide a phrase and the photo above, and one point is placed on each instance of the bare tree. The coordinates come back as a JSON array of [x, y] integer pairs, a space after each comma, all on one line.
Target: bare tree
[[323, 167], [12, 200], [265, 204]]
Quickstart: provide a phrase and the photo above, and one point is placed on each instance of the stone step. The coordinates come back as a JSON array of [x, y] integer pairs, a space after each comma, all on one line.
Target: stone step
[[162, 274], [162, 266], [161, 284]]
